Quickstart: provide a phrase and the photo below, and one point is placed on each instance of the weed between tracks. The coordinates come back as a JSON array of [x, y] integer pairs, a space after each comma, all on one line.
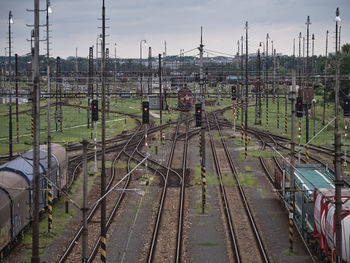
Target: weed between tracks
[[255, 153]]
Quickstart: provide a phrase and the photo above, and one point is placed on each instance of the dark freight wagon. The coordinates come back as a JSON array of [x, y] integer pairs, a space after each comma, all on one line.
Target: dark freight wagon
[[16, 198]]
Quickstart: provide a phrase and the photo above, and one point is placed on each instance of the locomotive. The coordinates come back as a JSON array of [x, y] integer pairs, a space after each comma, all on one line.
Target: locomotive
[[16, 195], [184, 99]]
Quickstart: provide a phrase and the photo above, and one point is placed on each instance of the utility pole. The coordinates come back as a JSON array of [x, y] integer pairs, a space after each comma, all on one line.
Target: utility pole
[[107, 62], [274, 81], [36, 140], [267, 81], [202, 139], [48, 9], [115, 66], [90, 86], [308, 23], [85, 206], [103, 168], [16, 79], [10, 89], [338, 172], [246, 90], [242, 93], [273, 72], [292, 153], [325, 83], [58, 114], [259, 87], [299, 65], [312, 55], [76, 70], [160, 95]]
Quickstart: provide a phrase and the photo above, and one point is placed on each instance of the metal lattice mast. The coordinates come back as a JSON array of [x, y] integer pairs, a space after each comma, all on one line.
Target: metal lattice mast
[[103, 168], [36, 140], [325, 82], [338, 172]]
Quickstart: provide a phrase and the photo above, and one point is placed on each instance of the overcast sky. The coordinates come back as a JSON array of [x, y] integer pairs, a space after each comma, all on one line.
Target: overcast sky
[[75, 24]]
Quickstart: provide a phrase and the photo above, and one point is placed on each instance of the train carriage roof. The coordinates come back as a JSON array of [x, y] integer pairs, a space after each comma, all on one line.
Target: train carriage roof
[[311, 176], [23, 165]]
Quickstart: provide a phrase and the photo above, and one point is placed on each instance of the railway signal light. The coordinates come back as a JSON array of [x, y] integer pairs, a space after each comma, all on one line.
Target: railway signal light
[[94, 110], [346, 106], [198, 113], [299, 107], [234, 93], [145, 112]]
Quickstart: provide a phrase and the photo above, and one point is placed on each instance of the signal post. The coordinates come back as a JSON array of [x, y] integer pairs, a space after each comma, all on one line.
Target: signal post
[[346, 116], [299, 110], [198, 113], [234, 97], [94, 118], [145, 121]]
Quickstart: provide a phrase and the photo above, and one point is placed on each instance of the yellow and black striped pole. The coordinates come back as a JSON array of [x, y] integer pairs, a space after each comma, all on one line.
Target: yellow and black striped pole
[[49, 207], [204, 187], [246, 145], [32, 125], [204, 183], [103, 249], [267, 118], [200, 147], [278, 114], [291, 224], [285, 122]]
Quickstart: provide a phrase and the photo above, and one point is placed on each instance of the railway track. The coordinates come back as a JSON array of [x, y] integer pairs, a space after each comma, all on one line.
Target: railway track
[[246, 240], [94, 235], [165, 242]]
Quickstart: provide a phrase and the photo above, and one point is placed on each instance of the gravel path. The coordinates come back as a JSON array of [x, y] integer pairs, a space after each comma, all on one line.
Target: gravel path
[[271, 217]]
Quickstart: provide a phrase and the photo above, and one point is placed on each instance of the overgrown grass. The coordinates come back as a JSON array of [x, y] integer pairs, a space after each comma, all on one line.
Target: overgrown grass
[[207, 206], [208, 244], [248, 168], [228, 180], [74, 127], [247, 179], [211, 180], [324, 138]]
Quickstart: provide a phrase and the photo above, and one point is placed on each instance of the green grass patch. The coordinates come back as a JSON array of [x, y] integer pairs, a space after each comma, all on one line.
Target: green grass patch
[[238, 141], [247, 179], [288, 252], [211, 180], [260, 191], [229, 180], [248, 168], [326, 137], [60, 219], [207, 207], [346, 168], [74, 126], [120, 164]]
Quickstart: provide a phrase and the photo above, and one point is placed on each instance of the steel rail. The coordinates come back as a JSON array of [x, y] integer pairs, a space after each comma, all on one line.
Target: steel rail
[[245, 201], [225, 202]]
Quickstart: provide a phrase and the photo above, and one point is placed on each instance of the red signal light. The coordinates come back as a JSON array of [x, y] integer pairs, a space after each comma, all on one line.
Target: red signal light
[[145, 109], [198, 111], [346, 102], [94, 107]]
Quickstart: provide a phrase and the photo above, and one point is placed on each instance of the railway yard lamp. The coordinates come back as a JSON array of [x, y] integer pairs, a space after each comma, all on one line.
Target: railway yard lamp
[[10, 89], [337, 148]]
